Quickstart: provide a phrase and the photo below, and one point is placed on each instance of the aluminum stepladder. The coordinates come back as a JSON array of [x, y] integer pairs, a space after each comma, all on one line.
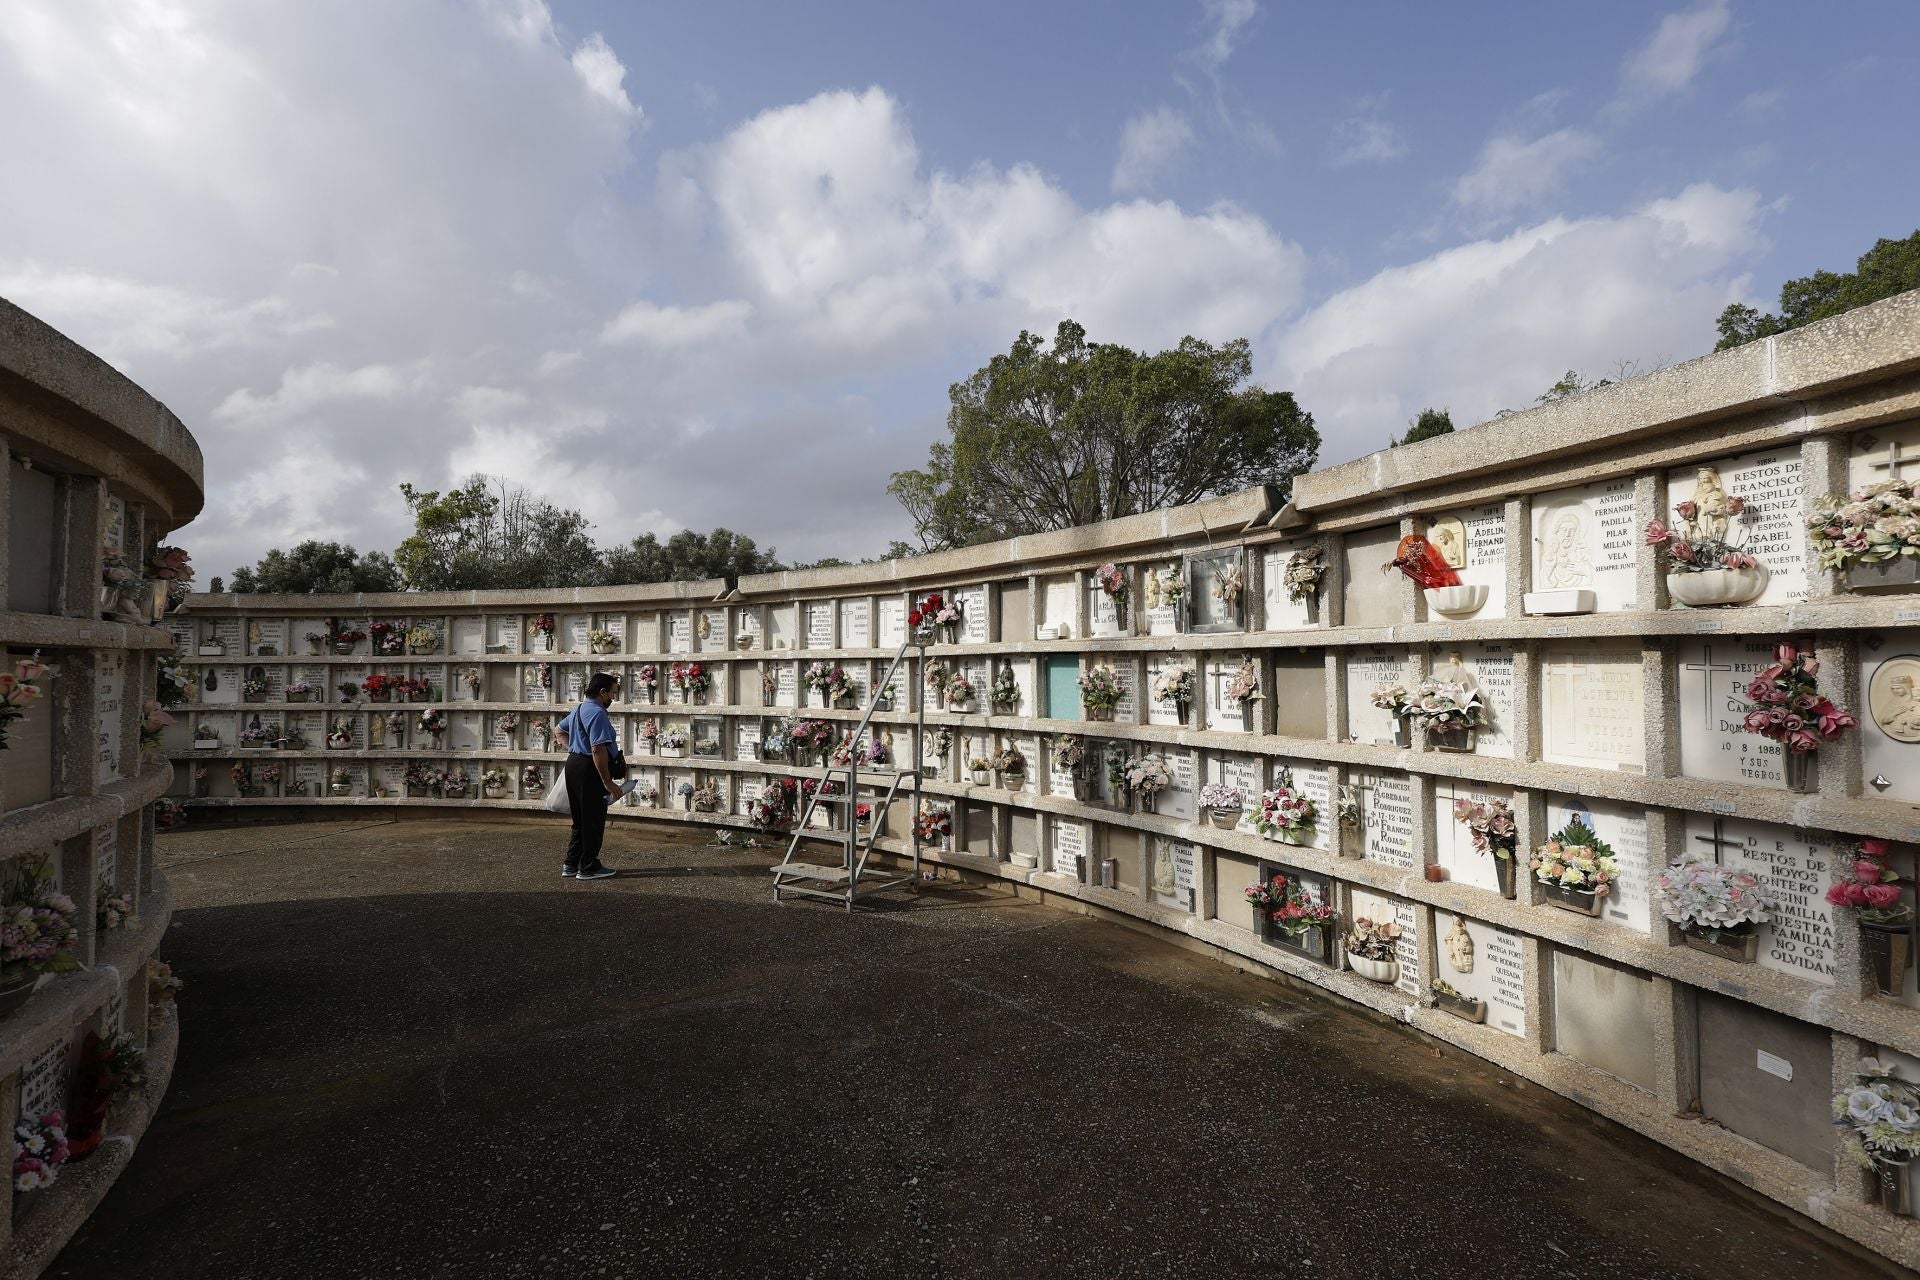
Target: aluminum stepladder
[[851, 880]]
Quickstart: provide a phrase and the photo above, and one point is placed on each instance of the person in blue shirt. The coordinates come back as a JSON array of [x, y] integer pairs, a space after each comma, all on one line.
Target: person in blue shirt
[[592, 748]]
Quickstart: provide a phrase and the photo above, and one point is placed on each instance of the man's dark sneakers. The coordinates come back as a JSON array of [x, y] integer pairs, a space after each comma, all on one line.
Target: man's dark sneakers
[[595, 872], [566, 873]]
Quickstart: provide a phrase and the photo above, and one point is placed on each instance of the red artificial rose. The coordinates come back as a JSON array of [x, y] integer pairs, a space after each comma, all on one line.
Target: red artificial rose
[[1867, 871], [1881, 895], [913, 617], [1875, 848]]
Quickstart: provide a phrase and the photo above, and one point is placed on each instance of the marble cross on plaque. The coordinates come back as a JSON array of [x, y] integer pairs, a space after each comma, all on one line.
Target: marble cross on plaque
[[1718, 840], [1896, 458], [1706, 670]]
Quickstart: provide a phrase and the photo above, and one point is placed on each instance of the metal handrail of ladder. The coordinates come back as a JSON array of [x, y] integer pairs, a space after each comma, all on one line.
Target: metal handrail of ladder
[[789, 876]]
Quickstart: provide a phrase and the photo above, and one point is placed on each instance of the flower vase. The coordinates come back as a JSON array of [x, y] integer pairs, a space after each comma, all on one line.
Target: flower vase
[[316, 647], [1182, 709], [1504, 870], [1146, 801], [1312, 604], [1741, 948], [982, 778], [1081, 787], [1104, 715], [1714, 587], [548, 637], [1457, 737], [1901, 571], [494, 793], [1895, 1181], [1580, 901], [1461, 1007], [950, 632], [1402, 732], [1385, 972], [15, 992], [1889, 948], [1247, 714], [343, 649], [1224, 819], [1797, 768]]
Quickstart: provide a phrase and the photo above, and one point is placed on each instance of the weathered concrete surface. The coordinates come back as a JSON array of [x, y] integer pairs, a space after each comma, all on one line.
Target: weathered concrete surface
[[415, 1051]]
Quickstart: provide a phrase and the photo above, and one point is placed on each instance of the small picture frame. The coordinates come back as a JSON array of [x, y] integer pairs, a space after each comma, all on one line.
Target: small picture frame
[[1216, 591]]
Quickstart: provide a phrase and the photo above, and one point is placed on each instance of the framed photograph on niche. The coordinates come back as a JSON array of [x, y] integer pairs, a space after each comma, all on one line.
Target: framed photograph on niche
[[1216, 591]]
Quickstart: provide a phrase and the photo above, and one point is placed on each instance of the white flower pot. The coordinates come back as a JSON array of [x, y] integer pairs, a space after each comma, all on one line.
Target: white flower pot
[[1568, 600], [1716, 587], [1382, 971], [673, 753], [1457, 602]]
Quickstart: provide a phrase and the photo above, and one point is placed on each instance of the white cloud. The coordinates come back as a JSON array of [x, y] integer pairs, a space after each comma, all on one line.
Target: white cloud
[[314, 386], [601, 71], [651, 325], [1761, 102], [1229, 18], [1515, 173], [1490, 324], [1150, 142], [1674, 53], [1367, 136]]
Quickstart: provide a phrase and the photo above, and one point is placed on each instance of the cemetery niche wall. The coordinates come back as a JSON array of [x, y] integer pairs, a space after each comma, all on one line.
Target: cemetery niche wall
[[1389, 738], [97, 474]]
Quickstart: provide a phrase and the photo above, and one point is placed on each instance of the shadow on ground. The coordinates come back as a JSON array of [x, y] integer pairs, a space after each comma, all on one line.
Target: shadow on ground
[[413, 1050]]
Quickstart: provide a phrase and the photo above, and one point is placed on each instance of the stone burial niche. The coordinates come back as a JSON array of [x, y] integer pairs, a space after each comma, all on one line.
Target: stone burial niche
[[1465, 732], [97, 475]]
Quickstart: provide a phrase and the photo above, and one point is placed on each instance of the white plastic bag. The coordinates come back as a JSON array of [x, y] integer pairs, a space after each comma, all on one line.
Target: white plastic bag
[[557, 794]]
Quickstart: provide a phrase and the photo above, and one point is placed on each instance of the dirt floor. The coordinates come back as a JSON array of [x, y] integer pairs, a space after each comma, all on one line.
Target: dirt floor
[[414, 1050]]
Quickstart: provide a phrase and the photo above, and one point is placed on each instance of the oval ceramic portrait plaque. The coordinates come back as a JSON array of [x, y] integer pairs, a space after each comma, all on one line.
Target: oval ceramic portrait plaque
[[1893, 698]]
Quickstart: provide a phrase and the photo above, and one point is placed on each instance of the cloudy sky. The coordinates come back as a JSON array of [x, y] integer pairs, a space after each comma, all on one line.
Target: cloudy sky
[[687, 265]]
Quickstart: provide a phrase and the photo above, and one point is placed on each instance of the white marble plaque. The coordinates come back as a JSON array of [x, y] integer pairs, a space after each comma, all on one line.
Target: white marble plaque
[[1773, 528], [1316, 783], [819, 617], [855, 619], [786, 691], [1586, 538], [1279, 611], [573, 632], [710, 630], [43, 1082], [1624, 828], [1890, 718], [1069, 845], [1872, 452], [116, 523], [1489, 668], [679, 633], [1386, 806], [1242, 772], [503, 633], [1163, 618], [1485, 529], [1180, 799], [1592, 698], [1127, 709], [1058, 616], [1223, 713], [110, 684], [1367, 670], [1714, 675], [890, 621], [973, 622], [1453, 841], [1162, 710], [1103, 619], [1799, 938], [746, 740], [1497, 976], [1170, 876], [1378, 907], [267, 636], [106, 858]]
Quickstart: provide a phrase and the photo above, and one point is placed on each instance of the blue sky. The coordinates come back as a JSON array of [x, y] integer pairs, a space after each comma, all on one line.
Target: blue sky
[[687, 265]]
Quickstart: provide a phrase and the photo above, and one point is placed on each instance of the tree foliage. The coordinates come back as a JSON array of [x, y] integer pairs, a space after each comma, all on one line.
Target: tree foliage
[[329, 568], [1890, 267], [1425, 425], [492, 533], [688, 556], [1051, 437]]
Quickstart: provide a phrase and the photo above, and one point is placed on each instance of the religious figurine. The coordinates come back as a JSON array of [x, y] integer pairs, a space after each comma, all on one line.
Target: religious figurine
[[1565, 561], [1460, 947], [1716, 508], [705, 628], [1163, 868], [376, 731], [253, 637], [1153, 588]]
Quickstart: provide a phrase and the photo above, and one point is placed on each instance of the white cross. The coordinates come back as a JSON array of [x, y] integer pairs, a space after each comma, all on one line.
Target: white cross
[[1895, 460], [1706, 671], [1718, 841]]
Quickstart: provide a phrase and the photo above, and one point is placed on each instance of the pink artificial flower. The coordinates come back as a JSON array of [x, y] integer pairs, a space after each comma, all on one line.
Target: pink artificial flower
[[1680, 549], [1757, 722], [1881, 895], [1833, 720], [1785, 654], [1810, 666], [1867, 871], [1874, 847], [1686, 510], [1801, 741], [1657, 533], [1735, 505], [1845, 895]]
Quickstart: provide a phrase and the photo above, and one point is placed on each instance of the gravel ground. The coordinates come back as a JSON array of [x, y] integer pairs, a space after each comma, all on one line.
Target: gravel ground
[[412, 1050]]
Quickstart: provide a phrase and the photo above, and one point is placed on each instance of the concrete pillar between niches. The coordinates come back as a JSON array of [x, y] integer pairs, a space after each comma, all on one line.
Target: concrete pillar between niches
[[1333, 582], [1525, 729], [1035, 611], [1533, 827], [1839, 766], [1336, 684], [75, 860], [1850, 1181], [1413, 605], [1419, 666], [126, 856], [1666, 845], [84, 500], [1536, 964], [1660, 688], [137, 686], [75, 742], [1823, 472], [1429, 946], [9, 1112], [1676, 1044], [1204, 874], [1649, 503], [1518, 519], [148, 829], [1425, 844]]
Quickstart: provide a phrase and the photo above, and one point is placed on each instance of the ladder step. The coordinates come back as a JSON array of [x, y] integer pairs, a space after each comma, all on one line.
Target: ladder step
[[811, 871]]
